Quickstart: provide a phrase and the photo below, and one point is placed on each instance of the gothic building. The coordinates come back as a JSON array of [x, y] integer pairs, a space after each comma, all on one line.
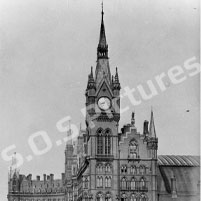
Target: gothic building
[[106, 163]]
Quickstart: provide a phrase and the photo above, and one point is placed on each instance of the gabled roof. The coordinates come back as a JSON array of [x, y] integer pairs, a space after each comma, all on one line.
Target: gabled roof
[[176, 160]]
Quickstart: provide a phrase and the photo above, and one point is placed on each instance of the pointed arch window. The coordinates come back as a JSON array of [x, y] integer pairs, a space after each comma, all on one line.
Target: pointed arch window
[[142, 169], [142, 183], [133, 184], [133, 197], [133, 146], [99, 181], [100, 141], [133, 170], [123, 197], [99, 197], [123, 183], [143, 197], [108, 167], [108, 196], [99, 168], [107, 142], [108, 182]]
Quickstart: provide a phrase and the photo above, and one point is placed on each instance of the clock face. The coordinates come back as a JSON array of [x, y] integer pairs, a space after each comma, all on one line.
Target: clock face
[[104, 103]]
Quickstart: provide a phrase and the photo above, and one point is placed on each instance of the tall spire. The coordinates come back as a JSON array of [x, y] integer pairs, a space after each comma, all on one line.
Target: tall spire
[[152, 131], [102, 50], [102, 67]]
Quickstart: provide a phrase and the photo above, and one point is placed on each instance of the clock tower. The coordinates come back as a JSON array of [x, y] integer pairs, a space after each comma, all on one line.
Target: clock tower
[[102, 118]]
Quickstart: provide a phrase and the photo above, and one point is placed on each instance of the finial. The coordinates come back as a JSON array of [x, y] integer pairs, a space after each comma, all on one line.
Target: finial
[[116, 76], [102, 8], [133, 119], [92, 71]]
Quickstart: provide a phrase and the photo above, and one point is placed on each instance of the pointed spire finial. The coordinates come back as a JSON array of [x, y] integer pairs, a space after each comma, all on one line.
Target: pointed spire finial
[[152, 131], [102, 9], [102, 50], [116, 76], [92, 71]]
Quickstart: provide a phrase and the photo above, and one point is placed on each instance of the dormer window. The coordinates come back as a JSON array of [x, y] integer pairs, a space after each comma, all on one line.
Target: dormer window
[[133, 149]]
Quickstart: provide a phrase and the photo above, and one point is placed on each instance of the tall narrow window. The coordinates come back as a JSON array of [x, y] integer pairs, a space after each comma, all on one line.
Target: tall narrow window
[[142, 183], [108, 168], [86, 183], [133, 184], [99, 182], [99, 141], [108, 182], [123, 183], [107, 142]]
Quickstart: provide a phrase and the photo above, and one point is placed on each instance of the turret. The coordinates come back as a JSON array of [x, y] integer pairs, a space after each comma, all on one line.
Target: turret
[[68, 156], [152, 140], [115, 84]]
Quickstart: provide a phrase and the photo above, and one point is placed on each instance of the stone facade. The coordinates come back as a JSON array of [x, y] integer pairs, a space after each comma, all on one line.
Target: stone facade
[[105, 164]]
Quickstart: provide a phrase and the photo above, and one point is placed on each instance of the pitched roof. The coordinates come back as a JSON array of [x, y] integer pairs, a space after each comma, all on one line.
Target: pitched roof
[[176, 160]]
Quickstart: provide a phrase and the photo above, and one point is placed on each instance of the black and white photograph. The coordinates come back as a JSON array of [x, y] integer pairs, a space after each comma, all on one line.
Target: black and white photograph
[[100, 100]]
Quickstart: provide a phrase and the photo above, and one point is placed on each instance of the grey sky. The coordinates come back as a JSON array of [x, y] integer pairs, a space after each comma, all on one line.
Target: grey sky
[[47, 49]]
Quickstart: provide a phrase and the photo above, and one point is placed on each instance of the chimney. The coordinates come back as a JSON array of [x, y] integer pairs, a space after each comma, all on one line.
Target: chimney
[[63, 176], [29, 177], [38, 178], [146, 127], [51, 177], [173, 187], [44, 177]]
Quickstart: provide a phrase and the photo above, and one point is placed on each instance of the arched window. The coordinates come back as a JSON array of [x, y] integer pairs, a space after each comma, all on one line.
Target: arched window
[[108, 197], [99, 168], [123, 197], [107, 142], [133, 170], [143, 197], [99, 197], [86, 183], [108, 167], [133, 197], [99, 141], [142, 183], [123, 183], [99, 181], [133, 149], [108, 182], [142, 169], [133, 184]]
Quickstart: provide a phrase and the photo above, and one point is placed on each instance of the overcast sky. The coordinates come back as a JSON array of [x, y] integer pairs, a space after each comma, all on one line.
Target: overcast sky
[[47, 49]]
